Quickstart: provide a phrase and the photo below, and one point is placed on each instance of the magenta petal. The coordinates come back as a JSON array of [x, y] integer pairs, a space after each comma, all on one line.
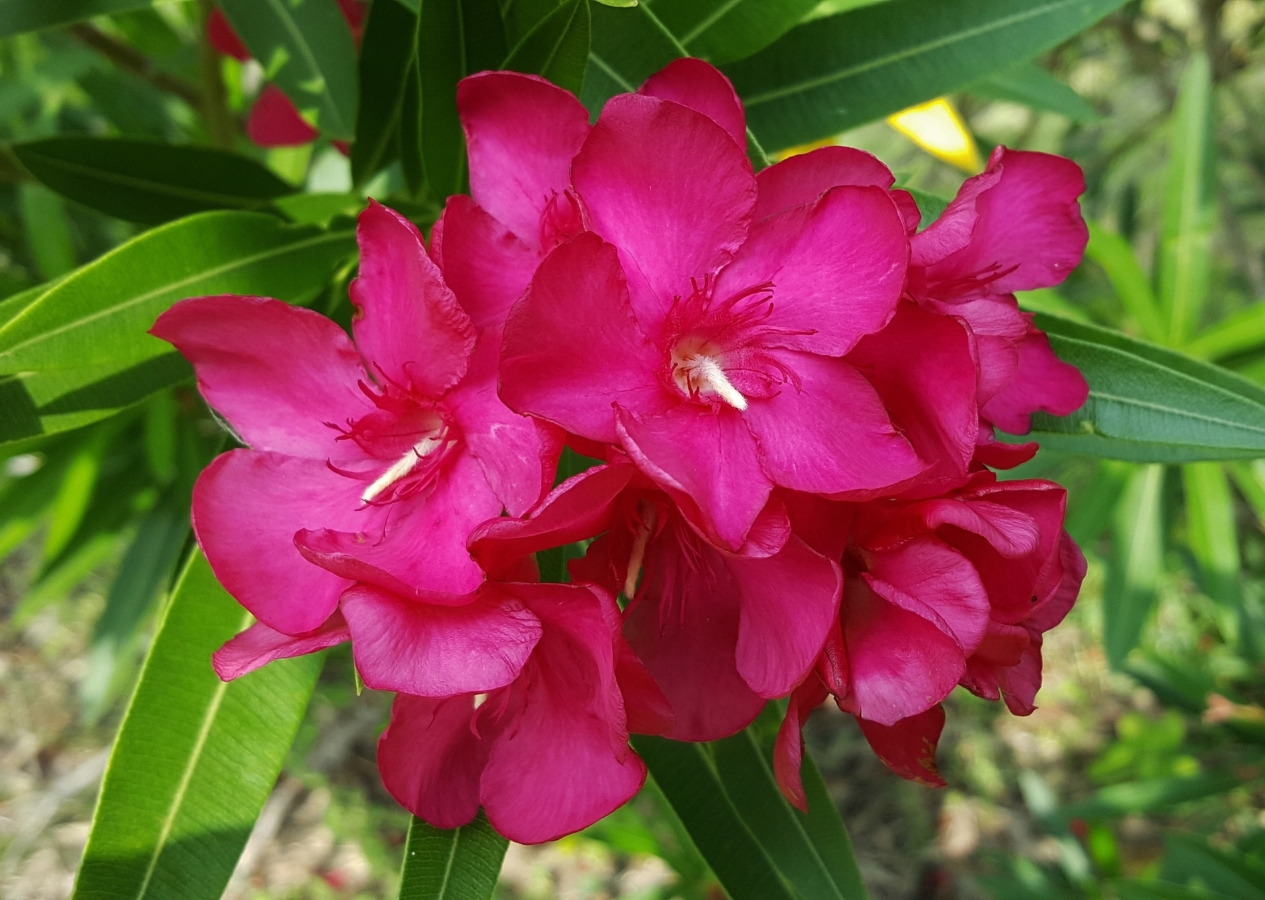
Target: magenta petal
[[670, 189], [944, 580], [247, 506], [788, 602], [829, 434], [566, 361], [275, 122], [837, 268], [707, 461], [521, 134], [700, 86], [408, 325], [419, 546], [431, 760], [1042, 381], [487, 266], [259, 645], [908, 747], [276, 372], [428, 650], [788, 749], [804, 177]]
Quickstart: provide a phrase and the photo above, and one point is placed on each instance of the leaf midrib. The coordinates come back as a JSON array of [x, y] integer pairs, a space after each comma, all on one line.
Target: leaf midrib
[[944, 41], [292, 28], [708, 21]]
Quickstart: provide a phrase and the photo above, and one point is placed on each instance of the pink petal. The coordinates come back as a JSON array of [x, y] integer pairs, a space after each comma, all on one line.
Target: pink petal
[[943, 579], [829, 434], [421, 548], [276, 372], [788, 750], [804, 177], [837, 267], [700, 86], [247, 506], [221, 35], [567, 362], [670, 189], [521, 135], [788, 603], [431, 760], [259, 645], [908, 747], [487, 266], [1042, 382], [902, 661], [275, 122], [706, 460], [408, 325], [404, 645]]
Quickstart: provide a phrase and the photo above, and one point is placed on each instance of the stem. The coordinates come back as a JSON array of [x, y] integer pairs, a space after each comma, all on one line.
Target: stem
[[219, 120], [132, 60]]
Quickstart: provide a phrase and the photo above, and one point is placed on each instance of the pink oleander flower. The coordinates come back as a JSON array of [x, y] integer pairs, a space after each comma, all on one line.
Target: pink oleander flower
[[546, 755], [365, 462], [720, 632], [696, 323], [950, 590]]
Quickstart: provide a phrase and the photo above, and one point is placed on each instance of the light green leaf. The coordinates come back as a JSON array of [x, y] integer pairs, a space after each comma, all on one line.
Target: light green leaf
[[47, 231], [1243, 332], [1136, 563], [307, 49], [557, 48], [1148, 796], [148, 181], [195, 758], [835, 73], [721, 31], [1211, 532], [457, 864], [76, 489], [1034, 87], [1150, 404], [1189, 214], [387, 51], [685, 774], [19, 16], [1130, 283]]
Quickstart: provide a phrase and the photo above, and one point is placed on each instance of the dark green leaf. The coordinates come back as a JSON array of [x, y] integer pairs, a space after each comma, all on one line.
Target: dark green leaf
[[195, 758], [929, 205], [410, 131], [835, 73], [521, 16], [557, 48], [458, 864], [386, 56], [1034, 87], [1161, 890], [147, 181], [18, 16], [1189, 860], [47, 231], [307, 49], [1149, 404], [721, 31], [687, 778], [1211, 531], [1137, 560]]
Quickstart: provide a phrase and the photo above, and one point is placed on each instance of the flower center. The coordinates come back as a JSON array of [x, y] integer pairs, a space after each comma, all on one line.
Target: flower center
[[402, 467], [697, 372]]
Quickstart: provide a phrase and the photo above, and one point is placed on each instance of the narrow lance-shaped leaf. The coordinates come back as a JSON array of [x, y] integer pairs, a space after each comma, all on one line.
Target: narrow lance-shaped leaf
[[1136, 562], [557, 48], [721, 31], [148, 181], [1240, 333], [835, 73], [386, 56], [1211, 531], [195, 758], [1034, 87], [455, 864], [19, 16], [307, 49], [1113, 253]]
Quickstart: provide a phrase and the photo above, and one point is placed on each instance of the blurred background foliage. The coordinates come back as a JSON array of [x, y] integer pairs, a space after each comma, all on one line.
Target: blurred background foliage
[[1141, 776]]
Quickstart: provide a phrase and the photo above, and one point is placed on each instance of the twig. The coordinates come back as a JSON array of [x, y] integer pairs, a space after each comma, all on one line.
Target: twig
[[127, 57]]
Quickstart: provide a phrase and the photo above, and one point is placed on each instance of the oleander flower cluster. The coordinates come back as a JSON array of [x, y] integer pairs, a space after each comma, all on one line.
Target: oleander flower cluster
[[790, 396]]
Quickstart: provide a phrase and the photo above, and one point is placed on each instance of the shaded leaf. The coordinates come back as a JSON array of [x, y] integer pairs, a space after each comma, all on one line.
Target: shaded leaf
[[1136, 563], [721, 31], [1211, 531], [47, 231], [18, 16], [557, 48], [1113, 253], [1036, 88], [1148, 796], [387, 51]]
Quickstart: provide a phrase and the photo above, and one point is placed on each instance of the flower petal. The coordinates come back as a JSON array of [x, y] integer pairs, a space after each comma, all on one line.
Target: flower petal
[[275, 122], [788, 749], [700, 86], [944, 580], [276, 372], [908, 747], [804, 177], [431, 760], [259, 645], [1041, 382], [408, 325]]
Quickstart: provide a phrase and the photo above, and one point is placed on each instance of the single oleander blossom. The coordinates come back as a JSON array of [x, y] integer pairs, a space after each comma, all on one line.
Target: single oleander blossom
[[720, 632], [943, 591], [365, 462], [708, 342], [546, 755]]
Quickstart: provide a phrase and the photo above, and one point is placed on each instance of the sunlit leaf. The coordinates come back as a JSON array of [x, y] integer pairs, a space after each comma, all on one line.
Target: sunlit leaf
[[455, 864]]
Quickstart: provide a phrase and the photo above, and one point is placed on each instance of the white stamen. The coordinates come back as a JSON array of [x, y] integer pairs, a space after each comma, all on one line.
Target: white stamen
[[400, 468], [479, 700], [637, 557], [705, 372]]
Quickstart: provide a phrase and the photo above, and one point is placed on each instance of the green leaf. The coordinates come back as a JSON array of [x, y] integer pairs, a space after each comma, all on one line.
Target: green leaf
[[47, 231], [721, 31], [1090, 510], [558, 47], [1137, 561], [457, 864], [76, 489], [929, 205], [1130, 283], [307, 49], [1150, 404], [195, 758], [1243, 332], [1189, 860], [19, 16], [685, 774], [1148, 796], [82, 351], [455, 38], [386, 55], [1160, 890], [835, 73], [1036, 88], [148, 181], [1189, 213], [1211, 530]]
